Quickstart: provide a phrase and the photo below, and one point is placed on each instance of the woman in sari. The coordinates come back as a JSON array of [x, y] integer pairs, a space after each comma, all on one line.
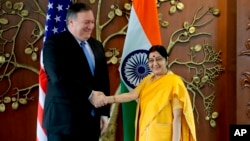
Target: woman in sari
[[164, 110]]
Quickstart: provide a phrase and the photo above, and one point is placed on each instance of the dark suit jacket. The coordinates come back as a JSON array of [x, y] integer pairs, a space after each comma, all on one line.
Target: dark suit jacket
[[70, 83]]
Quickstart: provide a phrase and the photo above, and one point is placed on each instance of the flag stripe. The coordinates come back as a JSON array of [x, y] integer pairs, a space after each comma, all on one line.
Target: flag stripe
[[136, 37], [40, 114], [41, 133], [148, 17], [55, 23], [128, 114], [42, 79], [143, 32]]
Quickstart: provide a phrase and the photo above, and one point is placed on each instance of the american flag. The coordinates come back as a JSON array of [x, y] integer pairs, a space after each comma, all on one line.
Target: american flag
[[55, 23]]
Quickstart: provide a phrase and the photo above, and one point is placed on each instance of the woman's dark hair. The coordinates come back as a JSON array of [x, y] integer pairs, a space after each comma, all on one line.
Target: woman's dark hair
[[160, 49]]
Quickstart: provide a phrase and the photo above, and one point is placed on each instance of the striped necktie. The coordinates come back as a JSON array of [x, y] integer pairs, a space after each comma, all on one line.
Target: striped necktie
[[88, 56]]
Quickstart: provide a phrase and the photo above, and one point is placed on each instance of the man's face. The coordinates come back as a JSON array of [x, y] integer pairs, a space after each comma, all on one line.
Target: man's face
[[82, 26]]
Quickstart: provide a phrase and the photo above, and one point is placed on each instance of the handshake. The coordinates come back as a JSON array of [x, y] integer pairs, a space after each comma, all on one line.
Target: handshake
[[99, 99]]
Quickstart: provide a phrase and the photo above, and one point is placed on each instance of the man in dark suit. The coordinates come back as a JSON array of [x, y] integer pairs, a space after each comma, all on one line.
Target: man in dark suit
[[75, 96]]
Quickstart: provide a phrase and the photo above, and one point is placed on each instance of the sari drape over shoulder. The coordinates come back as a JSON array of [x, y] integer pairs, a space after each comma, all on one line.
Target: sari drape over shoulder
[[154, 109]]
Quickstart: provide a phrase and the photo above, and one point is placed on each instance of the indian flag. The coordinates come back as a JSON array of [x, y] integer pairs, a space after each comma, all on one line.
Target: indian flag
[[143, 32]]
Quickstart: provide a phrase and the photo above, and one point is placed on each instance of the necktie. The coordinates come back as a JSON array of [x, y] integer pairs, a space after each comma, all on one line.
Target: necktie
[[91, 64], [88, 56]]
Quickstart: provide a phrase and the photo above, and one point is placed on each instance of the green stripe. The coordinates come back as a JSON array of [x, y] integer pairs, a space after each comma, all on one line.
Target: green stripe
[[128, 117]]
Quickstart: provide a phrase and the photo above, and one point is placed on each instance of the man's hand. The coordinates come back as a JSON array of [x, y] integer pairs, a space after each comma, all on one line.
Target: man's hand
[[98, 99], [104, 124]]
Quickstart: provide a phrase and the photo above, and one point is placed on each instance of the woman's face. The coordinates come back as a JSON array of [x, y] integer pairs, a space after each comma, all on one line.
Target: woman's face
[[157, 63]]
